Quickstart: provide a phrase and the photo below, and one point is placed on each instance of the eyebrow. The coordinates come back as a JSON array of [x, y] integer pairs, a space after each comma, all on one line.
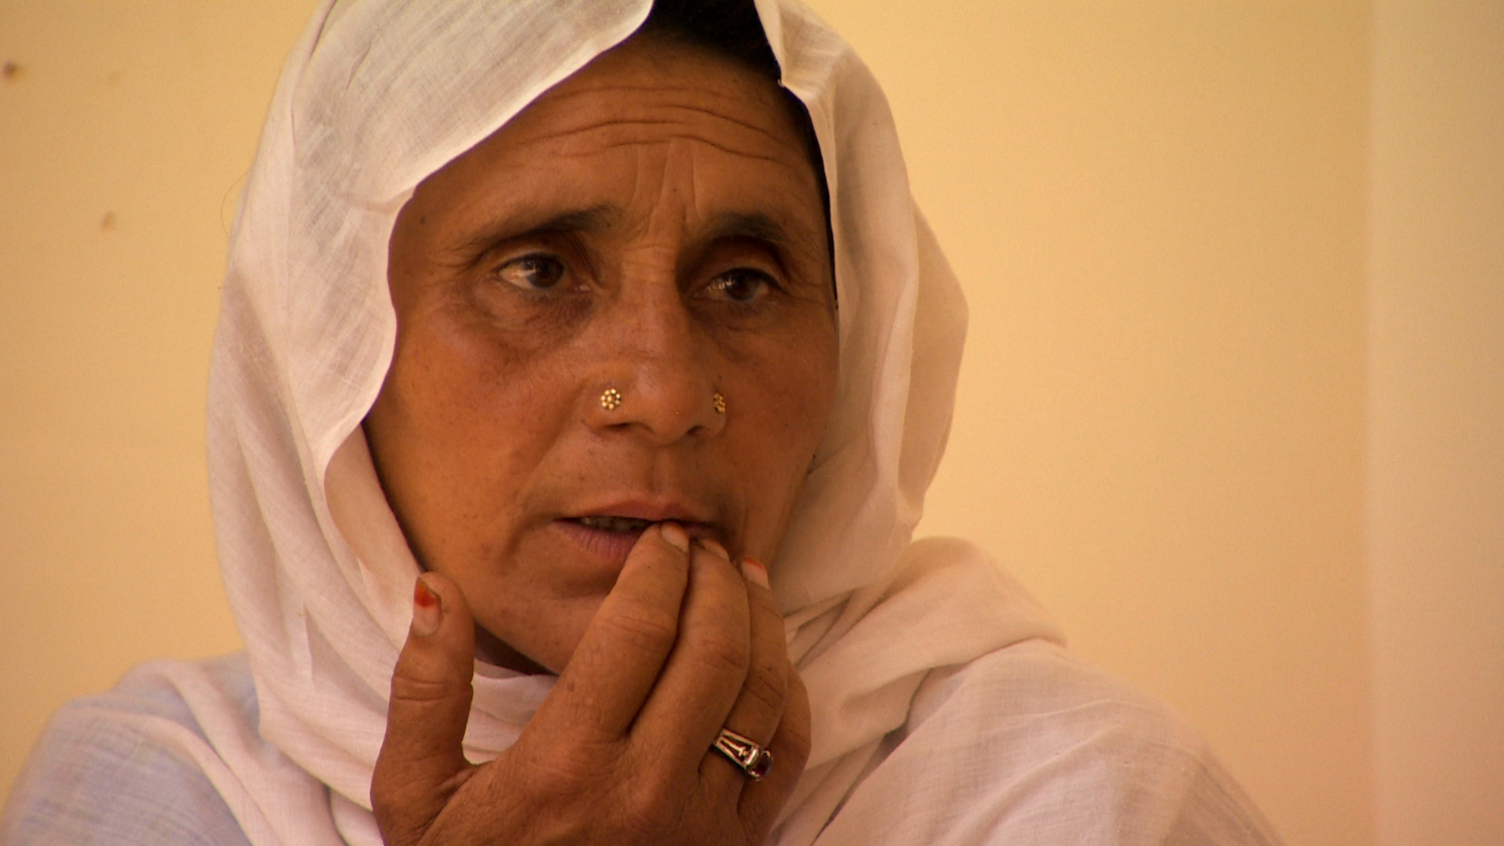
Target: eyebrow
[[752, 226], [591, 219], [757, 227]]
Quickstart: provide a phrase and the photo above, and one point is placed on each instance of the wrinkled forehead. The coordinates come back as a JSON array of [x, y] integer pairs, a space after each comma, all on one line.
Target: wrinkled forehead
[[643, 96]]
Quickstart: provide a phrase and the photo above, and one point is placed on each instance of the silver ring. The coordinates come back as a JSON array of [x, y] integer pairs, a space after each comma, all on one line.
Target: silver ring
[[753, 760]]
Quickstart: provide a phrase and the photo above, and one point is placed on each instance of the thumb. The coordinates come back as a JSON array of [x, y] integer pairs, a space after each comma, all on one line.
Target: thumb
[[422, 761]]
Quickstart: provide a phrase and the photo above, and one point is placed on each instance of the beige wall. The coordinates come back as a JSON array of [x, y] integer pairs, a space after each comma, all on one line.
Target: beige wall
[[124, 129], [1436, 420], [1172, 234]]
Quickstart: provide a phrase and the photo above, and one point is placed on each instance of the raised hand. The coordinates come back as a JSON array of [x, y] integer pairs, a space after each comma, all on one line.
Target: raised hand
[[620, 751]]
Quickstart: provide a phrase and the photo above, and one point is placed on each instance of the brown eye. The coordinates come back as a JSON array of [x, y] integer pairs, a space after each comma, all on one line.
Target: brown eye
[[535, 272], [740, 286]]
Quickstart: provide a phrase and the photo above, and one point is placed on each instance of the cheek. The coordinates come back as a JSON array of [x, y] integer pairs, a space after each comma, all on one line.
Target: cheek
[[802, 408], [806, 386], [470, 384], [459, 427], [781, 409]]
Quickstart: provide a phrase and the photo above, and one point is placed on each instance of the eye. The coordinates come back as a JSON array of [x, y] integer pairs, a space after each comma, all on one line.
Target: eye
[[742, 285], [532, 272]]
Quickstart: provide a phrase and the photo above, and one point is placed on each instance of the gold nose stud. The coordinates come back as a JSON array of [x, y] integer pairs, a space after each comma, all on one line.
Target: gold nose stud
[[610, 399], [719, 402]]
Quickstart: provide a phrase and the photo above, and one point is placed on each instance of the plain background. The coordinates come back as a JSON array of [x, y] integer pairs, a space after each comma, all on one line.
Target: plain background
[[1232, 404]]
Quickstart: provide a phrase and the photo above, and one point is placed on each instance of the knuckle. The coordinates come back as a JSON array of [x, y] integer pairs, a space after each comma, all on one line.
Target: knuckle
[[768, 685], [645, 810], [723, 653], [569, 769], [384, 802], [388, 806], [643, 626], [381, 794], [421, 691]]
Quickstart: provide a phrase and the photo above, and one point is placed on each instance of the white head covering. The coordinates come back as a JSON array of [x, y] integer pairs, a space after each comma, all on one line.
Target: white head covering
[[377, 95]]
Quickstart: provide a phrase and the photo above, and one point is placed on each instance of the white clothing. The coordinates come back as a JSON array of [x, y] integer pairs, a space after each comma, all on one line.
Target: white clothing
[[942, 713], [1025, 746]]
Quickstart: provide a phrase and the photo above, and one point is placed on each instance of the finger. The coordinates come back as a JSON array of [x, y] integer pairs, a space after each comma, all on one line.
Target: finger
[[623, 649], [762, 800], [706, 669], [422, 760], [759, 704]]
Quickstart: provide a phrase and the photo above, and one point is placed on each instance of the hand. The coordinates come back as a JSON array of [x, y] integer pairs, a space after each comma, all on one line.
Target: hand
[[620, 751]]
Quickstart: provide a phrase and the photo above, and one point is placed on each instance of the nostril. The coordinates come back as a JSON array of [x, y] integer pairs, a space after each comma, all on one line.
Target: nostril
[[662, 407]]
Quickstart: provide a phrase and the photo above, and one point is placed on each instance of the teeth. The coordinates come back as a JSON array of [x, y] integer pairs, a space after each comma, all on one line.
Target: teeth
[[615, 524]]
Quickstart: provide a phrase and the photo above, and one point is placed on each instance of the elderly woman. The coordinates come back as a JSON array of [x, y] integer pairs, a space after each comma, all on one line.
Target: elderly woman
[[581, 371]]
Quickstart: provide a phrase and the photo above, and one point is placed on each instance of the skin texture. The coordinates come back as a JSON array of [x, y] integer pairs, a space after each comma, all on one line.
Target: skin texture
[[653, 225], [665, 198]]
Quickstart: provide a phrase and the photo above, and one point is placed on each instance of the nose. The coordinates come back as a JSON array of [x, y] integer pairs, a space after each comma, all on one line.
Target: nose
[[657, 371]]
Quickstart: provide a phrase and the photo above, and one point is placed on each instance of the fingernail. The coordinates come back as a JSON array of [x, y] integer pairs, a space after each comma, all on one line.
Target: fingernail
[[713, 546], [427, 612], [754, 572], [674, 534]]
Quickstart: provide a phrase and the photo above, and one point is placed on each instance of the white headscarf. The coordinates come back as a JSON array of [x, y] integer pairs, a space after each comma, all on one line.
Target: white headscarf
[[377, 95]]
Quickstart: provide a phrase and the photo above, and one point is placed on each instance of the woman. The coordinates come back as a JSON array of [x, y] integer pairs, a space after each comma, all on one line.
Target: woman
[[543, 327]]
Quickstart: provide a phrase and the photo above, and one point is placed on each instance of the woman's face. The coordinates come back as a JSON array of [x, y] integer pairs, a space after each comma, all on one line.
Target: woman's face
[[652, 225]]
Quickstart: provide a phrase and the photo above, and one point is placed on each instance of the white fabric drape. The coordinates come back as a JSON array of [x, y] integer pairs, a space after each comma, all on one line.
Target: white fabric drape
[[377, 95]]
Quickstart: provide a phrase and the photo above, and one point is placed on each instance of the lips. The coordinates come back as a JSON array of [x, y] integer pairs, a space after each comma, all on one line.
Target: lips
[[611, 523], [611, 531], [635, 526], [635, 515]]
